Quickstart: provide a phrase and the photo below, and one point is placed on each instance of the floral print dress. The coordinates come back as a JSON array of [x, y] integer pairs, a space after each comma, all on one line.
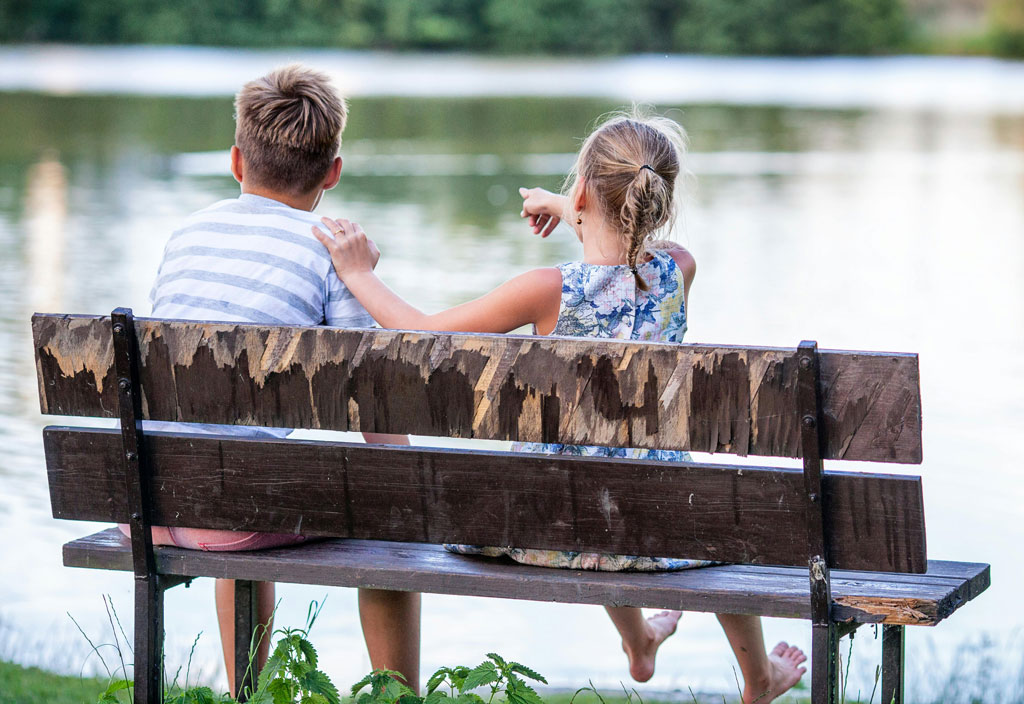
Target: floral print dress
[[604, 301]]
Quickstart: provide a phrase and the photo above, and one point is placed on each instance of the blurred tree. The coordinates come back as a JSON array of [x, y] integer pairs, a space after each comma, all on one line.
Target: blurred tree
[[799, 27], [525, 26], [1006, 19], [570, 26]]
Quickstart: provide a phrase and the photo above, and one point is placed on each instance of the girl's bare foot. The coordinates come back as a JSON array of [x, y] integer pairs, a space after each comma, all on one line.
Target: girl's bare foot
[[784, 662], [641, 655]]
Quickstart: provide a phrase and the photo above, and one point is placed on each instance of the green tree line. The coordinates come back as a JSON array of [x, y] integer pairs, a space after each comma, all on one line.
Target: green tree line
[[758, 27]]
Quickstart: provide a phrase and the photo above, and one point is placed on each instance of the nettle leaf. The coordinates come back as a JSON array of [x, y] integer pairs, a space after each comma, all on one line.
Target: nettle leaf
[[317, 682], [393, 690], [282, 692], [199, 695], [436, 679], [282, 649], [361, 683], [299, 668], [436, 697], [519, 692], [527, 672], [262, 696], [314, 699], [482, 674], [458, 676], [365, 698], [109, 695], [274, 667], [381, 679], [499, 661], [469, 698], [308, 651], [410, 699]]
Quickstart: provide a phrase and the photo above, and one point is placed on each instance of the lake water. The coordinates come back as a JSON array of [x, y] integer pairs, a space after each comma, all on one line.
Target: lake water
[[866, 204]]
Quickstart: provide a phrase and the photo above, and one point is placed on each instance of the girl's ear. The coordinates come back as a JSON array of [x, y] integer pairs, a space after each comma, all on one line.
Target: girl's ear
[[579, 196]]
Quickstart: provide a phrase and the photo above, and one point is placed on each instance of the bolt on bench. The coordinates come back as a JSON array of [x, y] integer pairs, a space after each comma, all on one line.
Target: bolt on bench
[[857, 557]]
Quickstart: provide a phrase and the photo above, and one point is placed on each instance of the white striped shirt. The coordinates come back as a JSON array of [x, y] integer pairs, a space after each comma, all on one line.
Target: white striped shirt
[[252, 260]]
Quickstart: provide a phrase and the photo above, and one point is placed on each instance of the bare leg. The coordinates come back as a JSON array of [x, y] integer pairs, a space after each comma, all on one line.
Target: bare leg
[[765, 675], [642, 637], [391, 628], [225, 595]]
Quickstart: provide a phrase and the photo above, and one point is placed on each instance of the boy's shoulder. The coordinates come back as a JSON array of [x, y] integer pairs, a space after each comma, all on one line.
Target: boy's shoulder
[[253, 223], [255, 206]]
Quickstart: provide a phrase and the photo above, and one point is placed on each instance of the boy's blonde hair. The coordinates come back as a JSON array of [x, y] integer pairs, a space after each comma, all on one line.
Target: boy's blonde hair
[[631, 165], [288, 127]]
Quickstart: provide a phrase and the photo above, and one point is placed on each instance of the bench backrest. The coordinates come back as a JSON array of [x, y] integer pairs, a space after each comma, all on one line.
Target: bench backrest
[[739, 400]]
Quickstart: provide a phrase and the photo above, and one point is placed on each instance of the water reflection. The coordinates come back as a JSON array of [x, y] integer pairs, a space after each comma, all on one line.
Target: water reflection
[[45, 221], [871, 229]]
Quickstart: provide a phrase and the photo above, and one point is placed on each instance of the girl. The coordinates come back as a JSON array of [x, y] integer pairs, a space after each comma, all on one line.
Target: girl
[[618, 198]]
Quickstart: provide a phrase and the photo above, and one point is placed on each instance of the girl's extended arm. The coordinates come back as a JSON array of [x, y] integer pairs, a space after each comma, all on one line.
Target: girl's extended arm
[[532, 297]]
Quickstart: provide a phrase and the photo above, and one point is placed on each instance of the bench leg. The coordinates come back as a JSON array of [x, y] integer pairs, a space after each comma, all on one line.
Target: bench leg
[[149, 639], [825, 664], [246, 620], [893, 649]]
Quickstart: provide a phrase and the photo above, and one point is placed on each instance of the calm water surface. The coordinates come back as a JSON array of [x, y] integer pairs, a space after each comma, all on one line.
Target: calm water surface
[[876, 228]]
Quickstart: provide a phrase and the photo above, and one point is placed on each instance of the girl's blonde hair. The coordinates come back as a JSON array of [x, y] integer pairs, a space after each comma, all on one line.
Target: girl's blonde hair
[[631, 166]]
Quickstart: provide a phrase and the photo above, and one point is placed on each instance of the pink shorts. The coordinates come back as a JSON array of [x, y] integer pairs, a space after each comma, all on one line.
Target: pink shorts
[[217, 540]]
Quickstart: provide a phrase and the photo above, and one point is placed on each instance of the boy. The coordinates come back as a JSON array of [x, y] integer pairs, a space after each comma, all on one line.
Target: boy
[[254, 259]]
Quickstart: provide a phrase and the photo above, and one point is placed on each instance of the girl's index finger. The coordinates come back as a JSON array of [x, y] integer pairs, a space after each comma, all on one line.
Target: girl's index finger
[[325, 239]]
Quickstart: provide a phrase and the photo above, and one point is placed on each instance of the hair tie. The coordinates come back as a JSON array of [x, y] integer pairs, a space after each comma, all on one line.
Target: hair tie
[[649, 168]]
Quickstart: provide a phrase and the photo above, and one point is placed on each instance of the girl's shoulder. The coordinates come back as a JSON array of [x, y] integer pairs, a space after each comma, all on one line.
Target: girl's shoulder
[[680, 255]]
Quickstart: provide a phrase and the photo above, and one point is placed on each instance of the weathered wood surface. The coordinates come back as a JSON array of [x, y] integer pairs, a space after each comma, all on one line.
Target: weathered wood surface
[[726, 513], [739, 400], [767, 591]]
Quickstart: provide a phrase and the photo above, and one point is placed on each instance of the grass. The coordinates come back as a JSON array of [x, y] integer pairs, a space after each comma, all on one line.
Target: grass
[[30, 685]]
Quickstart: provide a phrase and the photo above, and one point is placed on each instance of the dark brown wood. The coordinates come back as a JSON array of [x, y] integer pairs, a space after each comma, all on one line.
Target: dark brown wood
[[824, 634], [149, 638], [824, 661], [129, 405], [741, 514], [893, 664], [847, 628], [768, 591], [149, 611], [738, 400], [246, 620]]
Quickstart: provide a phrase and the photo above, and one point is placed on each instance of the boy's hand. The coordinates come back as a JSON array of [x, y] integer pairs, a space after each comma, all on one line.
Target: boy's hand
[[351, 250], [543, 209]]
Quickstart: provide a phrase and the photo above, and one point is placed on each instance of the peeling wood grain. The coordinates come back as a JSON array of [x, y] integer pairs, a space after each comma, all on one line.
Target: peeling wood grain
[[603, 392], [900, 611], [720, 512]]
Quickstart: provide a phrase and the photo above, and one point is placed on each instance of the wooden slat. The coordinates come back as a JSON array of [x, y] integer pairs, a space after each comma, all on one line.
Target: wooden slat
[[732, 514], [738, 400], [767, 591]]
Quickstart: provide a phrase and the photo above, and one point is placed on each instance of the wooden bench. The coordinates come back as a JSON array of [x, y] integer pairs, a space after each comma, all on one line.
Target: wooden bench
[[857, 558]]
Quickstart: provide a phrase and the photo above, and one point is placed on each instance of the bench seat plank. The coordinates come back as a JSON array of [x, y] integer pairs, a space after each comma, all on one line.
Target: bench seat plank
[[861, 597]]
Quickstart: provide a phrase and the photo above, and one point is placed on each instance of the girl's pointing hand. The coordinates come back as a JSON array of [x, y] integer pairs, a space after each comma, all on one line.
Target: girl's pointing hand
[[542, 209]]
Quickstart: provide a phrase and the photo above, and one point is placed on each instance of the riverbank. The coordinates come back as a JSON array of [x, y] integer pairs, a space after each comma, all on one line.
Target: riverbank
[[948, 84]]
